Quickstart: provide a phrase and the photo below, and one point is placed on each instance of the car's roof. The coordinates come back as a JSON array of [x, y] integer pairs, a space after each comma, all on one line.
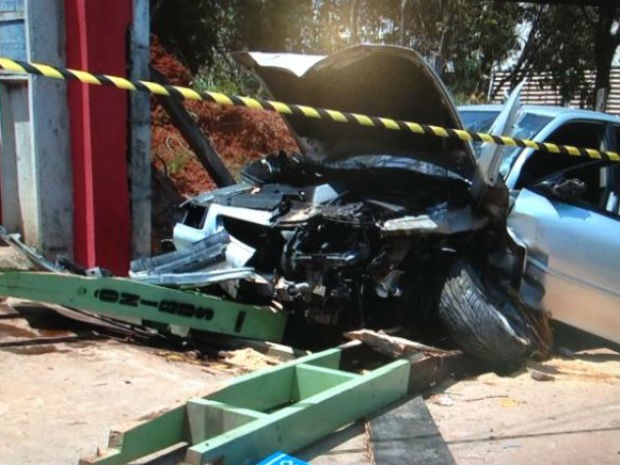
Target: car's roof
[[547, 110]]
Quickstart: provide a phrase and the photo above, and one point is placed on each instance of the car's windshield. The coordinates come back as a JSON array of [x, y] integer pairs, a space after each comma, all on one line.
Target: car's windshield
[[526, 127], [478, 121]]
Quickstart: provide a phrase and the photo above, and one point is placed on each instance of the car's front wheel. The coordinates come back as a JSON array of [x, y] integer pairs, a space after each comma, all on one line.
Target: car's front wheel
[[496, 335]]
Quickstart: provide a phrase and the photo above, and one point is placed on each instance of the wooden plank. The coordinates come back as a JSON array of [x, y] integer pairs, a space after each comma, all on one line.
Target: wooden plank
[[311, 380], [428, 371], [37, 341], [129, 299], [238, 402], [199, 143], [270, 410], [208, 418], [392, 346], [249, 391]]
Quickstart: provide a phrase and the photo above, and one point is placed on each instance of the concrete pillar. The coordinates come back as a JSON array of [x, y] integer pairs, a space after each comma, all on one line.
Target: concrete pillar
[[35, 159], [140, 133], [65, 148], [51, 170]]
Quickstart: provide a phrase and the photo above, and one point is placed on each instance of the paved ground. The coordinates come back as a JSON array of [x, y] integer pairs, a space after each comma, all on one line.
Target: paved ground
[[59, 405], [572, 419], [58, 402]]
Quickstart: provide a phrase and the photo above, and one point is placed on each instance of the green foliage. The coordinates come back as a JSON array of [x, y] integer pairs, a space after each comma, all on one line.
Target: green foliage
[[194, 30], [177, 159], [463, 39], [558, 44], [467, 37], [224, 75], [275, 25], [177, 162], [564, 42]]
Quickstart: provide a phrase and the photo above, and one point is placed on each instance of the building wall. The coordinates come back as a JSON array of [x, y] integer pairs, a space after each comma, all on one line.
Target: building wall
[[35, 162], [66, 148], [537, 91]]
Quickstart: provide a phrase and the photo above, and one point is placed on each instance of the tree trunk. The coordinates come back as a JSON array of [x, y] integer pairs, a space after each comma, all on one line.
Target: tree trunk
[[519, 69], [403, 21], [605, 45], [353, 21]]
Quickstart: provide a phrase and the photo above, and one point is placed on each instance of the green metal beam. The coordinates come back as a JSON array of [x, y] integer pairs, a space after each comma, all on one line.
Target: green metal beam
[[306, 420], [120, 297], [281, 408]]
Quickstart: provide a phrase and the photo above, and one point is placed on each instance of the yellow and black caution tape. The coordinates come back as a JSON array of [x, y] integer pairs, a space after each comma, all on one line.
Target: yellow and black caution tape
[[38, 69]]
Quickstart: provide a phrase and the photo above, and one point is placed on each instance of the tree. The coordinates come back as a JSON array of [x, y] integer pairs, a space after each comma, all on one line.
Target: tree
[[194, 30], [565, 42], [277, 25], [606, 39], [465, 37]]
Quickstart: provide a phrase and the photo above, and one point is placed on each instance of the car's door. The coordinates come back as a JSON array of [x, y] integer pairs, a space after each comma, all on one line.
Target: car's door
[[573, 242]]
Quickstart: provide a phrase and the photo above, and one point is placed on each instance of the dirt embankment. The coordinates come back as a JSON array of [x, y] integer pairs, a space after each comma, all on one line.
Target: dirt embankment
[[238, 134]]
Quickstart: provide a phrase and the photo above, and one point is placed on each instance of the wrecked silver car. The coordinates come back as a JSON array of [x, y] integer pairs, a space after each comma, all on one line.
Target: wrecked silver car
[[367, 227], [566, 212]]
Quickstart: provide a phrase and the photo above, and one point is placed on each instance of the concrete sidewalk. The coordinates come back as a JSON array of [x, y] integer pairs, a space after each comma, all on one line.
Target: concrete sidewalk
[[59, 401]]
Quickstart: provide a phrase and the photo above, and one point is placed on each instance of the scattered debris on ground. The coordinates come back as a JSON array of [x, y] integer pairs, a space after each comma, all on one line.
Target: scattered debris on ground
[[246, 360], [242, 135], [572, 419], [392, 346]]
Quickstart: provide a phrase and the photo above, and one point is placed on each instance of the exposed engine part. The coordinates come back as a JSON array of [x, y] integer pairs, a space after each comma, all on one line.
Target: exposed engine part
[[323, 239], [388, 286], [440, 220], [287, 291]]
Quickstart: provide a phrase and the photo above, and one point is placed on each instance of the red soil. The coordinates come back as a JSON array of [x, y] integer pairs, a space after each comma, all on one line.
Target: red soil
[[238, 134]]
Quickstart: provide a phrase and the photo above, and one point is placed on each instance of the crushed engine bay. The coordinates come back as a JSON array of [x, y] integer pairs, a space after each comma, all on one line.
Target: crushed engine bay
[[332, 243]]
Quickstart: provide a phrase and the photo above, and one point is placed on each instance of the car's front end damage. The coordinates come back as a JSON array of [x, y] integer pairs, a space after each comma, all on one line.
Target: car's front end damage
[[364, 226], [322, 238]]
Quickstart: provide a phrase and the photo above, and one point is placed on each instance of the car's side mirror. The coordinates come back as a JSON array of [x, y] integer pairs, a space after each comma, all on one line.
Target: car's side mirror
[[567, 190]]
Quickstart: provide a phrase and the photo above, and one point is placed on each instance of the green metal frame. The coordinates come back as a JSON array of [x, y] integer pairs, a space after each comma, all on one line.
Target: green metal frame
[[124, 298], [281, 408]]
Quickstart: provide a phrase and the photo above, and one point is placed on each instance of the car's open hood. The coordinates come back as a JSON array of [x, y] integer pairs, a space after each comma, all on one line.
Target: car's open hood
[[375, 80]]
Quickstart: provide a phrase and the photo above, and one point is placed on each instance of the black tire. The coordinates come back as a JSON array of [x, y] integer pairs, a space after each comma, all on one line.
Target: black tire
[[477, 324]]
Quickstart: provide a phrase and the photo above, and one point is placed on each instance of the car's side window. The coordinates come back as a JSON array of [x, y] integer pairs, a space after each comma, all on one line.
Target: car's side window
[[540, 165], [594, 186]]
